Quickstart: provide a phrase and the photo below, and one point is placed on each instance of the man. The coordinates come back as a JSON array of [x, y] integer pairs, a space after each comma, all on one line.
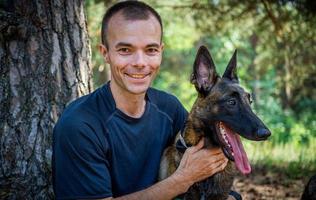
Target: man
[[108, 144]]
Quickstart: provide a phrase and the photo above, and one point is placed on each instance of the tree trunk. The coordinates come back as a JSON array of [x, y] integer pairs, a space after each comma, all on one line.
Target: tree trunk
[[44, 64], [254, 72], [287, 100]]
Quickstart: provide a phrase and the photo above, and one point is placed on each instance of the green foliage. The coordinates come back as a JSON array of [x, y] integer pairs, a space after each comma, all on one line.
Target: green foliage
[[95, 10], [178, 86]]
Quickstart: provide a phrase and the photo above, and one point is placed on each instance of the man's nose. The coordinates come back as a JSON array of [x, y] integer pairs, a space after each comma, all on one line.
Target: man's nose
[[139, 60]]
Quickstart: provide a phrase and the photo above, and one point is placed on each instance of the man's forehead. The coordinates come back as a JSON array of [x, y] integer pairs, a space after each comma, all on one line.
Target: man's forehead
[[121, 30], [120, 20]]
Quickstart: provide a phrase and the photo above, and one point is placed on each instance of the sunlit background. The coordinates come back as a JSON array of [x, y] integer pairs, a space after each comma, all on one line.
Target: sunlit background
[[276, 44]]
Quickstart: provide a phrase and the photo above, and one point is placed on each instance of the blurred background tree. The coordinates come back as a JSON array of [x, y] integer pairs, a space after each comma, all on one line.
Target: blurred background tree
[[276, 43]]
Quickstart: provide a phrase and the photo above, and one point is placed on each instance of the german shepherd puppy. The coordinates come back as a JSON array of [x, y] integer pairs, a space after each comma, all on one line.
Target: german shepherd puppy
[[221, 113]]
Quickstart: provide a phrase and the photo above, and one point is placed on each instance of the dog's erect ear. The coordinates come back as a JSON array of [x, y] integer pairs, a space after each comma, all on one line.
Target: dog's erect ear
[[204, 74], [231, 69]]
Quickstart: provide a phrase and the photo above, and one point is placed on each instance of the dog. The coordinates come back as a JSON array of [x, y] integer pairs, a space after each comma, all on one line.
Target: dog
[[220, 114]]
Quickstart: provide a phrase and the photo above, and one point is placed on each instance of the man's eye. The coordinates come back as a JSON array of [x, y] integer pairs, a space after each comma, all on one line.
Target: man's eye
[[124, 50], [152, 50]]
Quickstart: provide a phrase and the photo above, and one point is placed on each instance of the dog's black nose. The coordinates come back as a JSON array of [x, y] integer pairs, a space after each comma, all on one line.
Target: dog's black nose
[[263, 133]]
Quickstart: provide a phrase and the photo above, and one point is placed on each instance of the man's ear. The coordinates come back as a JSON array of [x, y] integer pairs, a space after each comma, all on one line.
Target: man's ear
[[104, 52], [162, 46], [231, 69], [204, 74]]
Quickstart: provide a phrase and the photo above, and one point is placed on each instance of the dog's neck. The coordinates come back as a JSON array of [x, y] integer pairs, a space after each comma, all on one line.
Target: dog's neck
[[193, 130]]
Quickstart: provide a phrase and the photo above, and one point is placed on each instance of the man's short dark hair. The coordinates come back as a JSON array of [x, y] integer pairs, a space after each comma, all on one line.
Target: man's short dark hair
[[131, 10]]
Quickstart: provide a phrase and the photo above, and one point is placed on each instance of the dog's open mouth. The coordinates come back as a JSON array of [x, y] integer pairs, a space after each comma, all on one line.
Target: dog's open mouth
[[233, 148]]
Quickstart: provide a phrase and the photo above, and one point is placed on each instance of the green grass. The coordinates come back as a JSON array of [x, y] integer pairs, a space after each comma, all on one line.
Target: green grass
[[294, 160]]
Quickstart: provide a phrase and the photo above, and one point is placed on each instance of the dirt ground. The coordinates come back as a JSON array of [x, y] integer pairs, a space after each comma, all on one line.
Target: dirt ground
[[266, 185]]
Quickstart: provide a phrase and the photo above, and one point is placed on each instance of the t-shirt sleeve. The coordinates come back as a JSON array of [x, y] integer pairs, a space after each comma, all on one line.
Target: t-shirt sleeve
[[80, 164]]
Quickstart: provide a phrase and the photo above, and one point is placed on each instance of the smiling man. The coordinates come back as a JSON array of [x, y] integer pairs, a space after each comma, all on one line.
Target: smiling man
[[108, 144], [133, 49]]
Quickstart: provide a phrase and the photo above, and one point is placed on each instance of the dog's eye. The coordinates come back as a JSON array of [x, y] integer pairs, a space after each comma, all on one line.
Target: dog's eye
[[231, 102]]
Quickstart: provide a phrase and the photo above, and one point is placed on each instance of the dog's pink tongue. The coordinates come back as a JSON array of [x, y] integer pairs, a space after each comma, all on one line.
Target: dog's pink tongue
[[240, 156]]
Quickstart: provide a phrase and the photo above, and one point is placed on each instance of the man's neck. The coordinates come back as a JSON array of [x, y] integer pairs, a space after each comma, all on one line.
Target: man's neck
[[132, 105]]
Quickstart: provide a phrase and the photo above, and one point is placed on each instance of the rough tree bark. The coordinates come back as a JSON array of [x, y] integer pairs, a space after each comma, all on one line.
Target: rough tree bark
[[44, 64]]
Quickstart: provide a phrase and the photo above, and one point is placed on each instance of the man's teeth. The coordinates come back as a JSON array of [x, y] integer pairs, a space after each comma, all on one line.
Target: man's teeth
[[138, 76]]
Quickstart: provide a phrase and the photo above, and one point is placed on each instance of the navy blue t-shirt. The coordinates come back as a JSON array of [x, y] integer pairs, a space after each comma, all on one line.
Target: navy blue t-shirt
[[99, 152]]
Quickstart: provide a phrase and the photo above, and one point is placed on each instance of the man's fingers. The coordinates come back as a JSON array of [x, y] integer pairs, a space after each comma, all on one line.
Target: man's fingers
[[219, 165], [224, 164], [212, 154], [216, 150], [201, 143], [197, 147], [213, 168]]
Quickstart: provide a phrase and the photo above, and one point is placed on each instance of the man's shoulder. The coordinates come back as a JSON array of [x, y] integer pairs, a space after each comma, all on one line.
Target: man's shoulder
[[80, 107], [88, 109], [165, 102], [76, 116], [94, 104], [158, 96]]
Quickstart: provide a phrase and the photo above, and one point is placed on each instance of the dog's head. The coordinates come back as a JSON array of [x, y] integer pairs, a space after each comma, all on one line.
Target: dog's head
[[223, 107]]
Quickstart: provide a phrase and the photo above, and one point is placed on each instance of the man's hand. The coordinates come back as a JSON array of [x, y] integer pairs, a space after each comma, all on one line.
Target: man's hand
[[197, 164]]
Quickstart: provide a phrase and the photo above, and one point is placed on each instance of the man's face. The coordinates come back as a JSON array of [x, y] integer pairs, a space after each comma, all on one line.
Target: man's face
[[134, 53]]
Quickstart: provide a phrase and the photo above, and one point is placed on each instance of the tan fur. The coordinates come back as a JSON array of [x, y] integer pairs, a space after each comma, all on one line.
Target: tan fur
[[170, 161]]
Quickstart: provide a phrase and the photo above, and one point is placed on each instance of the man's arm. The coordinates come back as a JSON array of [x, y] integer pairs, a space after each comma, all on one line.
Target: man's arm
[[196, 164]]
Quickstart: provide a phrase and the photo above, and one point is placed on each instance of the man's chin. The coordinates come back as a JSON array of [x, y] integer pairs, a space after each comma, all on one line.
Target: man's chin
[[138, 90]]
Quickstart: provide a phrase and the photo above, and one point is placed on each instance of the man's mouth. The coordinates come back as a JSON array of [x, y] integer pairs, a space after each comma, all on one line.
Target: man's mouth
[[137, 76], [232, 147]]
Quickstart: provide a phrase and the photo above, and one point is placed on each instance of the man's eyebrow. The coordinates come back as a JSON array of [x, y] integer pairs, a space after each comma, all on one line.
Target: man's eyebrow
[[153, 45], [124, 44]]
